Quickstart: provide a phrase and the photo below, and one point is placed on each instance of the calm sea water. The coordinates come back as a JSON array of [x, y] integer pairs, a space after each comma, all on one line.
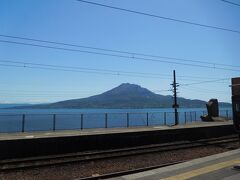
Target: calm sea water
[[11, 120]]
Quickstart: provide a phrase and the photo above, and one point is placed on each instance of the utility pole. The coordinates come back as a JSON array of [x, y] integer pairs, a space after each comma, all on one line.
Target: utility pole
[[175, 104]]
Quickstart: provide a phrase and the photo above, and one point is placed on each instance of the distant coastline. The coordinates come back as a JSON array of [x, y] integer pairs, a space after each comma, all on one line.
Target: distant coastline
[[125, 96]]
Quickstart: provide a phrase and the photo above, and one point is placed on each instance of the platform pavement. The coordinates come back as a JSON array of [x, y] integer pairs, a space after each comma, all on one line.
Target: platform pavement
[[215, 167], [88, 132]]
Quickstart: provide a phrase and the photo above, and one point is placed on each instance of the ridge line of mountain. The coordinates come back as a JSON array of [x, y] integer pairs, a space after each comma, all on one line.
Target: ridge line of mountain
[[125, 95]]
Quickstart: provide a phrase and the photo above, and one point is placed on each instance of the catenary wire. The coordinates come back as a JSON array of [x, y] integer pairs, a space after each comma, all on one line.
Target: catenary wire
[[115, 51], [79, 71], [205, 90], [61, 92], [83, 68], [202, 82], [119, 56], [24, 63], [160, 17], [230, 2]]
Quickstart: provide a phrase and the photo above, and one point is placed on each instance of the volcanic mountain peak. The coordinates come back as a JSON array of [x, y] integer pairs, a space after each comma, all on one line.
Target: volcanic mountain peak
[[127, 88]]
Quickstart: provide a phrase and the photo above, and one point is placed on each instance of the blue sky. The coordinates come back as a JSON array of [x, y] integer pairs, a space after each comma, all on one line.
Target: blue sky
[[74, 22]]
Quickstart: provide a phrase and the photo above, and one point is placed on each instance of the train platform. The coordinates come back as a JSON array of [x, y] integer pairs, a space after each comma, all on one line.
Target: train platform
[[30, 144], [102, 131], [215, 167]]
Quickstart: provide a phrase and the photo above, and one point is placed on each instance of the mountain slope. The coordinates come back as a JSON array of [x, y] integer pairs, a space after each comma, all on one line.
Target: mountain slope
[[124, 96]]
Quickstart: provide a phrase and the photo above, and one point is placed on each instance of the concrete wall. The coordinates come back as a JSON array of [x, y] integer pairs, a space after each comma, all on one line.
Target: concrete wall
[[58, 145]]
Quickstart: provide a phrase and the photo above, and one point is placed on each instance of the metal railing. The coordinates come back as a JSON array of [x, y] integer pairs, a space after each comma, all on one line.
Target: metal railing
[[53, 122]]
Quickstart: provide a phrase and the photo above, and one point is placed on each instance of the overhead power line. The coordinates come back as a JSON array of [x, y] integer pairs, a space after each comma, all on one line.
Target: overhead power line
[[60, 92], [24, 63], [54, 93], [160, 17], [48, 91], [82, 68], [119, 56], [196, 91], [116, 51], [202, 82], [21, 64], [78, 71], [203, 90], [230, 2]]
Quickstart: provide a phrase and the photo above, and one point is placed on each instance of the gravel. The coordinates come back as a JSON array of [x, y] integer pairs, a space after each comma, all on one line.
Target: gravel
[[93, 168]]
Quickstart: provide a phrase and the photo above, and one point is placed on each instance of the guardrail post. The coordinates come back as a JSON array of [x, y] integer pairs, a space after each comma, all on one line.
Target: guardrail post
[[191, 116], [127, 119], [178, 115], [165, 118], [147, 118], [106, 120], [54, 122], [185, 117], [81, 121], [23, 122], [195, 116], [227, 114]]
